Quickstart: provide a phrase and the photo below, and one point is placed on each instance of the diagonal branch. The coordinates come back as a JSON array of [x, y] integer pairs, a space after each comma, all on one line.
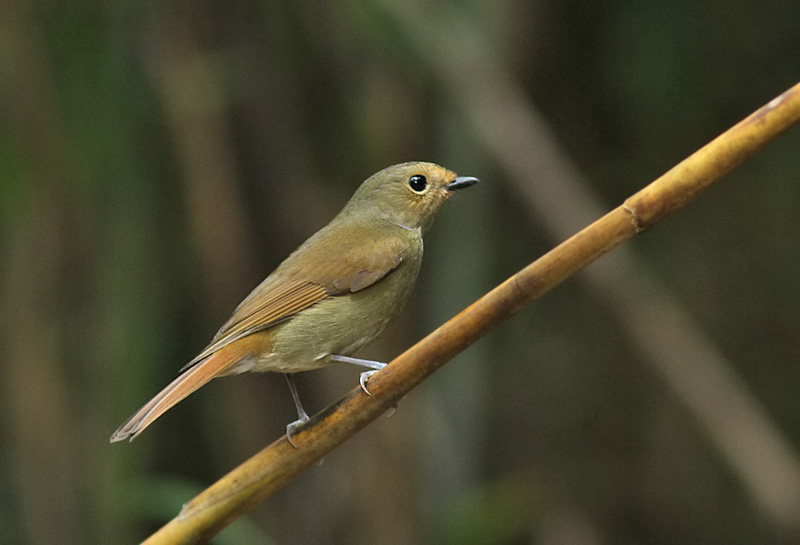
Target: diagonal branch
[[268, 471]]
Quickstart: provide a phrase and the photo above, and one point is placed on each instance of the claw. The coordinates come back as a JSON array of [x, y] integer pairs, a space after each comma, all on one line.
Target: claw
[[362, 380], [295, 426]]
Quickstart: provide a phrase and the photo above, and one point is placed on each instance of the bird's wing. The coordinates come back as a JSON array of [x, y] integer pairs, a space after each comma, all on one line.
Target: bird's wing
[[318, 275], [359, 264]]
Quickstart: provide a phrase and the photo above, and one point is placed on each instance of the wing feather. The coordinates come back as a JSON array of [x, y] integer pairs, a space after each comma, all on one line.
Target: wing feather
[[320, 272], [257, 313]]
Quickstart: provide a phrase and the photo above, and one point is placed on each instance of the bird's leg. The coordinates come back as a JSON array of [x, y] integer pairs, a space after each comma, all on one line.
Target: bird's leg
[[302, 416], [374, 365]]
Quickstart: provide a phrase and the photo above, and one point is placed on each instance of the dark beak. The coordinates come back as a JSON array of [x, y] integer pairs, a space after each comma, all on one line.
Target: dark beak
[[461, 182]]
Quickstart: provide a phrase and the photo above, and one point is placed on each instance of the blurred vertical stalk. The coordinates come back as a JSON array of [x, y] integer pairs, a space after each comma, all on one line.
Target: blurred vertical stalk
[[195, 103], [460, 251], [44, 462]]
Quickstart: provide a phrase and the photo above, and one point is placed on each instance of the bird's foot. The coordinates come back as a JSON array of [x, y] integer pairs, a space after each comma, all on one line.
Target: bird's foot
[[294, 427], [374, 365], [362, 380]]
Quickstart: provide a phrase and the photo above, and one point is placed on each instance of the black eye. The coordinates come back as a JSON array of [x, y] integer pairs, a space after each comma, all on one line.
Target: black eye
[[418, 183]]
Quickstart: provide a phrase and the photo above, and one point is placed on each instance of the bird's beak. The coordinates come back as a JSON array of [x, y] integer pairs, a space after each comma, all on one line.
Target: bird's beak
[[461, 182]]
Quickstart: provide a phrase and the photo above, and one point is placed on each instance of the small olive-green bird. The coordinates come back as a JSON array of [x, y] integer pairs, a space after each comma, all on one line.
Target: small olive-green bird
[[331, 296]]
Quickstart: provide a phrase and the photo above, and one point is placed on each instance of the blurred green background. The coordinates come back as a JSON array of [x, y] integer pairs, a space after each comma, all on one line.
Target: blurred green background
[[158, 159]]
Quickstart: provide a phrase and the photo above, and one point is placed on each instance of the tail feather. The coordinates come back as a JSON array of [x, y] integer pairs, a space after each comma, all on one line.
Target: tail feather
[[187, 382]]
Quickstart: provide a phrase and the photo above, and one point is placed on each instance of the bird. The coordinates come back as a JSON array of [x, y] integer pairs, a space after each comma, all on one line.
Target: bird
[[332, 295]]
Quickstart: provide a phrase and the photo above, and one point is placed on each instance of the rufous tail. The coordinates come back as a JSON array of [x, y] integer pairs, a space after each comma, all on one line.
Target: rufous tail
[[187, 382]]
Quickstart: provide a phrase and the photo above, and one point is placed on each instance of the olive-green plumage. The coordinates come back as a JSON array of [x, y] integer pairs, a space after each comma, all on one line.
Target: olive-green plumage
[[332, 295]]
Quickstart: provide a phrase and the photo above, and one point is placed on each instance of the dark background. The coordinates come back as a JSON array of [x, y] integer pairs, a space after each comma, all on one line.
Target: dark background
[[158, 159]]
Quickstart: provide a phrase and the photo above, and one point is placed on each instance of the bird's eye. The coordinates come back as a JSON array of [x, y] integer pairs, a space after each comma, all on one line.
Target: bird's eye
[[418, 183]]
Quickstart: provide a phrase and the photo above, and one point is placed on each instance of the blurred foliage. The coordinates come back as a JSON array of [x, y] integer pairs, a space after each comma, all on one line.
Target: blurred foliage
[[158, 159]]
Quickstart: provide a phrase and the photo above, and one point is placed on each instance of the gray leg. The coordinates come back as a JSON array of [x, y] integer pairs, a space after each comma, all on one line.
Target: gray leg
[[302, 416], [374, 365]]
